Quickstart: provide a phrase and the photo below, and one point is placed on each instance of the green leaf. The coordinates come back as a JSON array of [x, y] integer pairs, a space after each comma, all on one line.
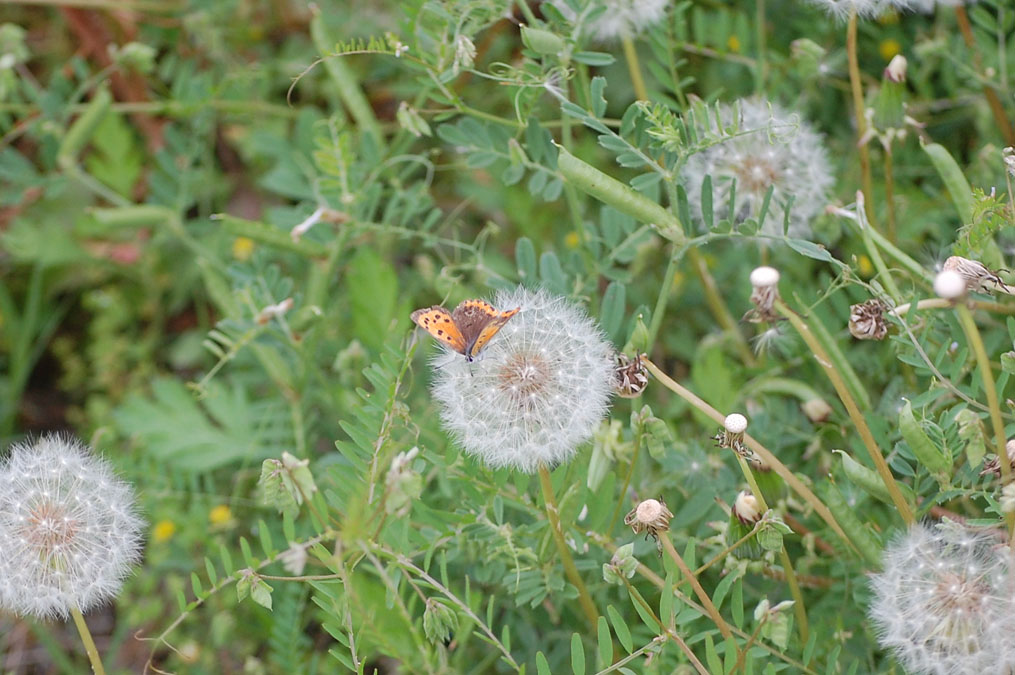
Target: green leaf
[[525, 260], [577, 655], [611, 315], [620, 628], [605, 642], [551, 273], [372, 289], [542, 665], [594, 58]]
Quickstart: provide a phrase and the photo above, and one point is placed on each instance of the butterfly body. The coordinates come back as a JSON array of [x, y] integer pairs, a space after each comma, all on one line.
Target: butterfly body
[[467, 329]]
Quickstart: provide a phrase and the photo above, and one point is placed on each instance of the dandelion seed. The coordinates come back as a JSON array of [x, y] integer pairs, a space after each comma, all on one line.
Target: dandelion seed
[[945, 602], [866, 9], [621, 18], [776, 150], [950, 285], [68, 530], [536, 392]]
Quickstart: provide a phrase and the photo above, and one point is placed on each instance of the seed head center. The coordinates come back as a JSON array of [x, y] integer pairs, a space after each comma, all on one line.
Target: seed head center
[[49, 529], [755, 174], [525, 376]]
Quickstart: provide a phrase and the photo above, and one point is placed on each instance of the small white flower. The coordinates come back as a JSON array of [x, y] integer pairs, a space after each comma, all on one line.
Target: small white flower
[[536, 392], [621, 18], [866, 9], [945, 602], [69, 532], [774, 149]]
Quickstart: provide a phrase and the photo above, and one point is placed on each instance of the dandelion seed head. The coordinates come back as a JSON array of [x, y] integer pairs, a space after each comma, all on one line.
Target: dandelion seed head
[[68, 529], [621, 18], [944, 603], [536, 392], [774, 149], [866, 9]]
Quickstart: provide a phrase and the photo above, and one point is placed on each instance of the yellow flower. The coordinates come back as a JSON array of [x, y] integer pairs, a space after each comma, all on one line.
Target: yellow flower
[[163, 530], [572, 240], [866, 267], [889, 48], [243, 248], [733, 43], [220, 514]]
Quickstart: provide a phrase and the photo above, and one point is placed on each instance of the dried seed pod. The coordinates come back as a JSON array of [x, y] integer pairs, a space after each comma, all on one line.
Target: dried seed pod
[[867, 320]]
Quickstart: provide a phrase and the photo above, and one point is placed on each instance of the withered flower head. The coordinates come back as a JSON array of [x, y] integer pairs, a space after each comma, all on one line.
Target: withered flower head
[[651, 516], [867, 320], [630, 375], [764, 293]]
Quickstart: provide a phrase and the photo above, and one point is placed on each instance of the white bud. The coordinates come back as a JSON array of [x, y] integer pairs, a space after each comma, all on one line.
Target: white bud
[[949, 285], [896, 70], [764, 277], [735, 423]]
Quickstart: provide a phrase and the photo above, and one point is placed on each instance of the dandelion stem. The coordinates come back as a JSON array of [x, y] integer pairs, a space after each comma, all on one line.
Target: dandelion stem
[[766, 455], [861, 120], [634, 68], [983, 361], [665, 288], [86, 638], [875, 255], [941, 303], [821, 356], [553, 515], [703, 597]]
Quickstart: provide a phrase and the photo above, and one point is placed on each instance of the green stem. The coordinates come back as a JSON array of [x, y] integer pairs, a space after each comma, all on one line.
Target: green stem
[[345, 81], [634, 68], [761, 67], [627, 482], [884, 274], [666, 287], [983, 361], [861, 120], [821, 356], [86, 638], [570, 569], [890, 194]]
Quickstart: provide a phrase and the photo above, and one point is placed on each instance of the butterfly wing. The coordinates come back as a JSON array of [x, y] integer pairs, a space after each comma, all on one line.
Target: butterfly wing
[[439, 323], [480, 321]]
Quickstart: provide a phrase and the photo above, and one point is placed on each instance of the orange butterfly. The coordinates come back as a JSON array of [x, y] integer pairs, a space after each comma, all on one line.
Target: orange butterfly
[[467, 329]]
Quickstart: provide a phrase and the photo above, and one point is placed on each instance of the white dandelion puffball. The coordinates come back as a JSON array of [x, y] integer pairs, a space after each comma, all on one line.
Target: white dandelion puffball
[[945, 602], [774, 148], [865, 9], [536, 392], [621, 18], [69, 531]]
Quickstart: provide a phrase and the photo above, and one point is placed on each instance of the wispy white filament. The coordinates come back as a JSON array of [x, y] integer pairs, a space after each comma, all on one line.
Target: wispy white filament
[[945, 602], [69, 532], [775, 149], [538, 390], [621, 18]]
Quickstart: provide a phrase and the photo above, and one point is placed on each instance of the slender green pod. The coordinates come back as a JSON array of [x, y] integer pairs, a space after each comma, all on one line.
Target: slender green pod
[[870, 482], [861, 537], [620, 196], [954, 180], [84, 126], [927, 453]]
